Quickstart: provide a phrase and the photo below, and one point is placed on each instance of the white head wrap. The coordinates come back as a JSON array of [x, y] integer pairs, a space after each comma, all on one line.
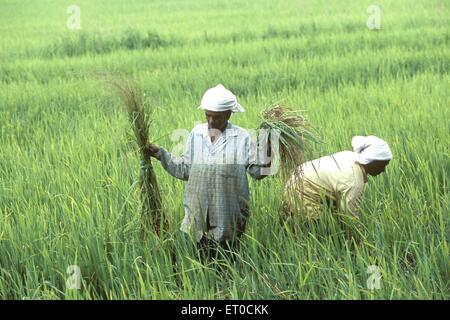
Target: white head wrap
[[370, 148], [220, 99]]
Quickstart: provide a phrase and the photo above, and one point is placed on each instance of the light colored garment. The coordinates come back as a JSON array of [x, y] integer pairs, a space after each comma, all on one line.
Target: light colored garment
[[217, 194], [370, 148], [336, 179], [220, 99]]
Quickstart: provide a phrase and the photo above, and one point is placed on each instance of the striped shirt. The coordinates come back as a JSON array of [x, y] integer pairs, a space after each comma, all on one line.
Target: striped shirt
[[217, 194]]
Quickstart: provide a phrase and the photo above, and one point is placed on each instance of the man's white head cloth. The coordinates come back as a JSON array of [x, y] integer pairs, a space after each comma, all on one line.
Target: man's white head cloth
[[220, 99], [370, 148]]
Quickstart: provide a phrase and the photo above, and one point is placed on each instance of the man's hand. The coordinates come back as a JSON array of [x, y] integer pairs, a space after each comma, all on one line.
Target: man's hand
[[150, 150]]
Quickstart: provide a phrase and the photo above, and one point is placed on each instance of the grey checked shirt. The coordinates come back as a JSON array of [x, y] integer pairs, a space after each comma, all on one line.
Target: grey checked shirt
[[217, 194]]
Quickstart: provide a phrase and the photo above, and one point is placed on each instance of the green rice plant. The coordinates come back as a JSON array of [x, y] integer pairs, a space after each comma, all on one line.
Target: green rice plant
[[65, 194], [295, 135], [132, 97], [295, 138]]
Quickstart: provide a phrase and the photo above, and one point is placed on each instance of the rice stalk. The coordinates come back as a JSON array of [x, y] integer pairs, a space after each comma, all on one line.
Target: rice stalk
[[295, 136], [133, 98]]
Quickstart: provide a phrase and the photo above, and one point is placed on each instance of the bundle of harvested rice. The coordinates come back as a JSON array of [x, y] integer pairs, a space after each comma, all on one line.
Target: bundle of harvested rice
[[132, 96], [295, 135]]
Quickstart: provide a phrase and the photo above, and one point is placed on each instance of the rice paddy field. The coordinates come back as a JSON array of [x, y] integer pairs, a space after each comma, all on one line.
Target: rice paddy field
[[69, 165]]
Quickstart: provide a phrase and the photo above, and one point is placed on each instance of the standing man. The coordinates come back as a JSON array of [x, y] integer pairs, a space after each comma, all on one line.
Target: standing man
[[217, 157], [337, 179]]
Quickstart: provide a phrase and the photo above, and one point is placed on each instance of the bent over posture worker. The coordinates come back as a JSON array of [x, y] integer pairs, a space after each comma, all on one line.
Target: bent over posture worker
[[337, 179], [217, 157]]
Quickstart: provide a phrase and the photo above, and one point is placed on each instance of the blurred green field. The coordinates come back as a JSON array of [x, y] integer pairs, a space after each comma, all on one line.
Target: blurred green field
[[68, 163]]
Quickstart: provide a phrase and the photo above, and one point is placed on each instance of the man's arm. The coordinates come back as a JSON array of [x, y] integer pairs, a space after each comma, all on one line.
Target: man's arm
[[177, 167]]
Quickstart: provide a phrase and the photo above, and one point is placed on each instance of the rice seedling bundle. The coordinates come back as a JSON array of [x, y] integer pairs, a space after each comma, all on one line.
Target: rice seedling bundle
[[132, 96], [295, 135]]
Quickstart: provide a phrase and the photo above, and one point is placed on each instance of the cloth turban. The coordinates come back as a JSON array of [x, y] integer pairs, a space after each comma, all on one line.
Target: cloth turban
[[370, 148], [220, 99]]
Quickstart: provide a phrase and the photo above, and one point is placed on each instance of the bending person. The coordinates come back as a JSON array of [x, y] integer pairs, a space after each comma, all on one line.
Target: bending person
[[337, 180]]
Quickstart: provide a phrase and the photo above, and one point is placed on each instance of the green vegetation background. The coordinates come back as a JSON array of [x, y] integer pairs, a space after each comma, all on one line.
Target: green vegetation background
[[68, 167]]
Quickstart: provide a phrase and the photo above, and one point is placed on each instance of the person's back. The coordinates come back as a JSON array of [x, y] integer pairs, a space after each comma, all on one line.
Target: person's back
[[335, 172], [337, 179], [329, 178]]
